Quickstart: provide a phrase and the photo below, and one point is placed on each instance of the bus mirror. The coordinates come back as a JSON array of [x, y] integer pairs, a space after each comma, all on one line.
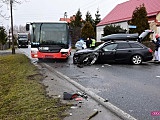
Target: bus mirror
[[27, 27]]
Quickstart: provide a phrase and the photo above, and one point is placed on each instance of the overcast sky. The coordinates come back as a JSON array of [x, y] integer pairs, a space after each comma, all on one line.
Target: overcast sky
[[53, 10]]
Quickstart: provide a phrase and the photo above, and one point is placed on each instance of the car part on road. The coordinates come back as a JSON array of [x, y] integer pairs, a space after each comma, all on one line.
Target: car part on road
[[93, 115]]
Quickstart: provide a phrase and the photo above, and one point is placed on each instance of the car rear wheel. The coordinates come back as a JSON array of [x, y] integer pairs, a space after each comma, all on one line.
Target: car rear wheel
[[136, 59]]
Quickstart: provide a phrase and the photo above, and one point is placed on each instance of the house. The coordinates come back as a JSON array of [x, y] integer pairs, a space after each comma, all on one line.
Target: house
[[68, 20], [122, 13]]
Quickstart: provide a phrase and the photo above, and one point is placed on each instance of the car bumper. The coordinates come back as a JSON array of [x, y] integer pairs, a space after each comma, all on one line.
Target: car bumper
[[148, 58]]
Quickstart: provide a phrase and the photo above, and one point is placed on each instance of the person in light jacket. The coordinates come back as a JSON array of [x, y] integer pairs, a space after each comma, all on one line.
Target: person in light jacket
[[80, 45], [157, 47]]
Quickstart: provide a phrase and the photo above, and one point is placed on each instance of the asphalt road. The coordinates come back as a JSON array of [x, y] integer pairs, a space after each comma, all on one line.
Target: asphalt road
[[133, 88]]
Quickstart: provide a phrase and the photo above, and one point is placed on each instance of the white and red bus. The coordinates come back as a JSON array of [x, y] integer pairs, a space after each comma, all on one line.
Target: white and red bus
[[49, 40]]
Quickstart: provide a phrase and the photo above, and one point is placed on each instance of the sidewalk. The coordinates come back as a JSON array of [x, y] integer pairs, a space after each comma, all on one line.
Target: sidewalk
[[85, 109]]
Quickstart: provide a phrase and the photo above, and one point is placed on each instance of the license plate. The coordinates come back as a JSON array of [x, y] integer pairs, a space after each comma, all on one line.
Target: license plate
[[48, 56]]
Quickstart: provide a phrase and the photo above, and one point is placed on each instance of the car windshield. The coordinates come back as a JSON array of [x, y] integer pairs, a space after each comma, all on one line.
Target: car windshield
[[98, 47], [22, 37]]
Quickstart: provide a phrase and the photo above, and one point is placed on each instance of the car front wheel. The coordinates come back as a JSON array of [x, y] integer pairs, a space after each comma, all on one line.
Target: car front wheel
[[94, 59], [136, 59]]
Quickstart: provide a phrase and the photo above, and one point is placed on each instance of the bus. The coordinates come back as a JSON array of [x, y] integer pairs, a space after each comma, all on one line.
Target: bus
[[49, 40]]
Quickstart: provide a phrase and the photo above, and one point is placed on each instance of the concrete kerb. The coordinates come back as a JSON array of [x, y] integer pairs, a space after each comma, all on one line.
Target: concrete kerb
[[108, 105]]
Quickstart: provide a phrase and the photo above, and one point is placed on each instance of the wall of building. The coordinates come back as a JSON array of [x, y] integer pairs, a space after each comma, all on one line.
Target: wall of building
[[154, 24], [158, 17], [99, 29]]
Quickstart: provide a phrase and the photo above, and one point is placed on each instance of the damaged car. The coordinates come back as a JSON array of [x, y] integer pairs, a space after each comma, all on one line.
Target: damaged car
[[116, 48]]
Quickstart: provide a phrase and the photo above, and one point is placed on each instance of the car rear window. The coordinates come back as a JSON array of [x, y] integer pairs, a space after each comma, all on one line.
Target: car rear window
[[135, 45]]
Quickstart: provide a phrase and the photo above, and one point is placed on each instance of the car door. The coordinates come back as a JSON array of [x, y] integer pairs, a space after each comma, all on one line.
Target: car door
[[123, 52], [107, 53]]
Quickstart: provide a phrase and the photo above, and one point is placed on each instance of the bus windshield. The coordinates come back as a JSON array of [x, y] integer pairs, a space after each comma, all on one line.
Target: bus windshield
[[49, 33]]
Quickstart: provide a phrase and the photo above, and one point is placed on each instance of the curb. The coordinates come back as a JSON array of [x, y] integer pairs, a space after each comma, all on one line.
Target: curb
[[108, 105]]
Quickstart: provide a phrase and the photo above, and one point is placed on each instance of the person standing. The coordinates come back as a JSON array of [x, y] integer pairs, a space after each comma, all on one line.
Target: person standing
[[157, 47], [88, 42], [93, 44], [80, 45]]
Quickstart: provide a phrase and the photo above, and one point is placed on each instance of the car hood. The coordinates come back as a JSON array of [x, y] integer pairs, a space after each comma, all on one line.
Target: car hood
[[84, 51]]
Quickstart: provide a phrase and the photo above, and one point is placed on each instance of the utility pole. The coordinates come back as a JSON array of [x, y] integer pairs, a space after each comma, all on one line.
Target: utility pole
[[9, 38], [13, 48]]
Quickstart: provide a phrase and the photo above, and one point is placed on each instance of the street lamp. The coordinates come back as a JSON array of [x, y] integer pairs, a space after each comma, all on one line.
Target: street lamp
[[13, 49]]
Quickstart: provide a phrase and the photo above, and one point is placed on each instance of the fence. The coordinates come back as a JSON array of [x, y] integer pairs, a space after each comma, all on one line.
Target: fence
[[5, 47]]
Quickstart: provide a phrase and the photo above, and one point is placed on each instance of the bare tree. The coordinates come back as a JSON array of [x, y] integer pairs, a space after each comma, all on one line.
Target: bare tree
[[2, 14], [22, 28], [11, 3]]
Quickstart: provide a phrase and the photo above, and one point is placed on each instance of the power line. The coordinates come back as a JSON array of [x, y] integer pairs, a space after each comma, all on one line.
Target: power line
[[85, 6]]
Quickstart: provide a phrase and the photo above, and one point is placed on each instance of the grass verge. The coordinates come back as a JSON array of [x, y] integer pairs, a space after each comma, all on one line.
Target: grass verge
[[22, 96]]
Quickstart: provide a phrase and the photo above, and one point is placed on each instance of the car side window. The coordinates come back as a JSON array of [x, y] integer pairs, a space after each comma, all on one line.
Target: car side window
[[123, 46], [135, 45], [109, 47]]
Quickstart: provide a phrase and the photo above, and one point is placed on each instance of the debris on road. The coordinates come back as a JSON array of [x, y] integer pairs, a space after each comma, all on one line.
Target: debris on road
[[106, 100], [97, 68], [69, 96], [80, 65], [93, 115], [78, 99], [77, 96]]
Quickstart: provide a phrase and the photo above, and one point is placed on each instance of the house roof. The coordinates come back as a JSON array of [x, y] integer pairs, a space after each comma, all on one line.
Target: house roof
[[68, 20], [123, 12], [65, 19]]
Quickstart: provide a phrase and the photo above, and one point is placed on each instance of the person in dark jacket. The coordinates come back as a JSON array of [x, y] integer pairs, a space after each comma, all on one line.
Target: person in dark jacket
[[88, 42]]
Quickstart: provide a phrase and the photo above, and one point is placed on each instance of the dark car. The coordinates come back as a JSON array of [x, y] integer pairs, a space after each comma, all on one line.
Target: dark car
[[22, 40], [122, 49]]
